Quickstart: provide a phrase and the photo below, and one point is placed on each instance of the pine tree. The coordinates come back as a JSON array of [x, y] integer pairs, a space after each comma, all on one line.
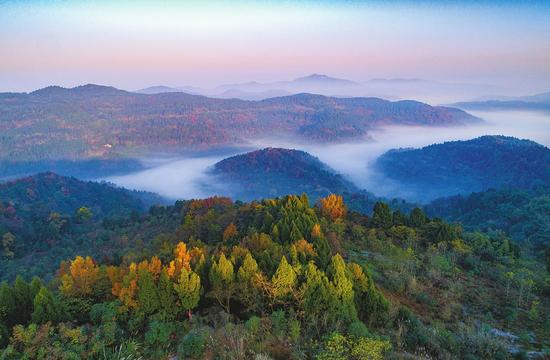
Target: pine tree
[[167, 297], [7, 305], [23, 300], [322, 248], [249, 282], [342, 289], [283, 281], [222, 280], [316, 299], [45, 308], [36, 285], [417, 218], [147, 294], [188, 289], [382, 216]]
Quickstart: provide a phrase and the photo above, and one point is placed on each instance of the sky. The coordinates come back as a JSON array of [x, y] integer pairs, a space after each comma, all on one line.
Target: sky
[[135, 44]]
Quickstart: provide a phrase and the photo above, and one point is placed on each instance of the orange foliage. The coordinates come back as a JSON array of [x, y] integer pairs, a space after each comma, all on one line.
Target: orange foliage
[[333, 206], [82, 276], [304, 247], [316, 231], [230, 232]]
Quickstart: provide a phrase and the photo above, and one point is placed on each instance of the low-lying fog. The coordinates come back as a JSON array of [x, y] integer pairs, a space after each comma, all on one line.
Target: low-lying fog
[[187, 178]]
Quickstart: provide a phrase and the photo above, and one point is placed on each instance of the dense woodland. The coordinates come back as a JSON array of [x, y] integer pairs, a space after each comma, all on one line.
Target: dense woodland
[[282, 279], [94, 121], [273, 172], [460, 167], [523, 214]]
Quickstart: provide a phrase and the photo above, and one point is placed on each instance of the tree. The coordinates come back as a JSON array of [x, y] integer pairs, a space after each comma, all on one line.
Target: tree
[[342, 289], [316, 298], [333, 207], [8, 239], [167, 297], [417, 218], [147, 294], [283, 281], [323, 250], [382, 216], [36, 285], [83, 214], [222, 279], [188, 289], [7, 305], [23, 300], [230, 232], [249, 279], [82, 277], [45, 308]]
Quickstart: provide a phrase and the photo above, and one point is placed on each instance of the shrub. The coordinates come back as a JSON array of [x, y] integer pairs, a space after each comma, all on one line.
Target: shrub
[[192, 344]]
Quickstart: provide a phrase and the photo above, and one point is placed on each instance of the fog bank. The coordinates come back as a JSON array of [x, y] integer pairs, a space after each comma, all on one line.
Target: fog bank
[[187, 178]]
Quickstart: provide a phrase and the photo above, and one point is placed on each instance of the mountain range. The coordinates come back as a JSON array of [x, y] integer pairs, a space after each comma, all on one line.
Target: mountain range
[[392, 88], [539, 102], [93, 121]]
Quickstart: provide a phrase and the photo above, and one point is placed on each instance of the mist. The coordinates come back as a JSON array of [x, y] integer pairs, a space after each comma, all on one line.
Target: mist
[[185, 178]]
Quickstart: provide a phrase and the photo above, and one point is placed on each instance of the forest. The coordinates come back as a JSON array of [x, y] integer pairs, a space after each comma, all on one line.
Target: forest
[[281, 279]]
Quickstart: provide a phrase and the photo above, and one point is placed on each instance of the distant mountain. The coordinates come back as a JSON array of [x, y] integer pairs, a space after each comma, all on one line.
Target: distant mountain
[[323, 79], [248, 95], [92, 121], [524, 214], [158, 90], [539, 102], [397, 81], [314, 83], [273, 172], [461, 167], [79, 91]]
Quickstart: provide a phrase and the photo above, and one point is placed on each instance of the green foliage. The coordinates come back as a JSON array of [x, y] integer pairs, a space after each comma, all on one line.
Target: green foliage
[[46, 309], [339, 347], [284, 281], [188, 289], [192, 345]]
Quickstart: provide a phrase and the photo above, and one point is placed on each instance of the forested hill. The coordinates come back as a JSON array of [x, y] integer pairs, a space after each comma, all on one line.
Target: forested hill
[[275, 172], [54, 193], [462, 167], [42, 216], [94, 121], [524, 214], [280, 279]]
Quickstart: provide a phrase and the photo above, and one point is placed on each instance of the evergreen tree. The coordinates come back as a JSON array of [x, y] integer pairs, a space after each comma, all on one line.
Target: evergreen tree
[[316, 300], [167, 297], [248, 281], [283, 281], [322, 248], [7, 306], [222, 278], [147, 294], [45, 307], [36, 285], [23, 300], [188, 289], [382, 216], [417, 218], [342, 289]]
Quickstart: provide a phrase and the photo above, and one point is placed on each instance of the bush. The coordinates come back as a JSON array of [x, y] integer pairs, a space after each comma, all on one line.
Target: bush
[[192, 344], [358, 329]]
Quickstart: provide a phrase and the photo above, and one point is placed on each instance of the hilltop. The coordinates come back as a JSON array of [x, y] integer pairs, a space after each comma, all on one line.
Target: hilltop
[[462, 167]]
